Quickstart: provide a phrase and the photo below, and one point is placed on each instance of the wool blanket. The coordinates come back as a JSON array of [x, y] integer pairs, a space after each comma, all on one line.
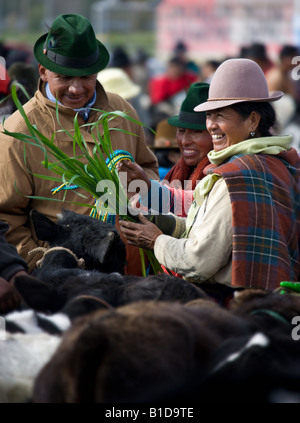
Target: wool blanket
[[265, 198]]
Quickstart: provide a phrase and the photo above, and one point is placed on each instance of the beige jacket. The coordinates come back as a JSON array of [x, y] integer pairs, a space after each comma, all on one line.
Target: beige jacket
[[18, 166], [205, 255]]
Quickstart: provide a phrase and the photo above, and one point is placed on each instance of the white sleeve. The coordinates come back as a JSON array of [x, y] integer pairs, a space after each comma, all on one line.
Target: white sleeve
[[209, 244]]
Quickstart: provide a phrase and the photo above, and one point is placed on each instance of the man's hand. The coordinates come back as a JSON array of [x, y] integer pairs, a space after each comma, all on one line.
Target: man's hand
[[141, 234]]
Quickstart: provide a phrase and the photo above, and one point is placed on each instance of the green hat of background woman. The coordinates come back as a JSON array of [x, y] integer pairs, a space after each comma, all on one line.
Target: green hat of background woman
[[71, 48], [187, 117]]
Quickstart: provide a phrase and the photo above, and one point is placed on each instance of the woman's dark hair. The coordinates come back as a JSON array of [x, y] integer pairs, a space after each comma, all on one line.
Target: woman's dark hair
[[162, 157], [266, 111]]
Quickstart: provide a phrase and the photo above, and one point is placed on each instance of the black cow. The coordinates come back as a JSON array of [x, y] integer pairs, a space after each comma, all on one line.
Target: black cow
[[97, 243], [263, 367], [60, 284], [89, 290]]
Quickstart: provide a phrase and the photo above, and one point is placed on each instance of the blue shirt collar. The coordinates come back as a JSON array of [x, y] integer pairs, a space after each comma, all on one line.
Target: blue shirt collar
[[83, 111]]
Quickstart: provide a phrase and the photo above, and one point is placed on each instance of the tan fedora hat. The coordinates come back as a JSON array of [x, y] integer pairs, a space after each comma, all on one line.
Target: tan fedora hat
[[165, 136], [237, 81], [115, 80]]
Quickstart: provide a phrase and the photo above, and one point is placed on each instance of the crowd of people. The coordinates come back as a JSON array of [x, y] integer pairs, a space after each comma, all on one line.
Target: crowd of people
[[239, 219], [163, 84]]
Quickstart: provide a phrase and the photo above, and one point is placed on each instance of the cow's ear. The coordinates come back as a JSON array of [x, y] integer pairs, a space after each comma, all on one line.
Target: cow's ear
[[104, 246], [38, 295], [42, 226]]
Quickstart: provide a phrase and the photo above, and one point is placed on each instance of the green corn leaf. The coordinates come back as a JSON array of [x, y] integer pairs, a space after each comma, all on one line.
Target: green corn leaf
[[22, 88], [77, 135], [143, 262]]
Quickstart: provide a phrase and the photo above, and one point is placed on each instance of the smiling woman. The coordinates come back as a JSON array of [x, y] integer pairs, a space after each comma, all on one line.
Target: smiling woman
[[233, 124], [194, 144], [227, 127], [243, 227]]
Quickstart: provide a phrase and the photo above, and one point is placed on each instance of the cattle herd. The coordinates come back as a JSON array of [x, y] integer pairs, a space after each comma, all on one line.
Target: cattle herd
[[85, 332]]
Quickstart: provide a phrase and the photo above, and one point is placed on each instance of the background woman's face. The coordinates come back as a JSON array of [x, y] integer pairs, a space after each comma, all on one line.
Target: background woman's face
[[194, 144], [227, 127]]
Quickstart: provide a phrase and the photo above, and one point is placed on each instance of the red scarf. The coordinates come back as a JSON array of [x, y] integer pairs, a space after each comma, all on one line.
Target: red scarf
[[182, 172]]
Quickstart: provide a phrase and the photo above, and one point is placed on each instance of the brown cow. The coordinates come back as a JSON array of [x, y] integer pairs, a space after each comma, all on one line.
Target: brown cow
[[140, 352]]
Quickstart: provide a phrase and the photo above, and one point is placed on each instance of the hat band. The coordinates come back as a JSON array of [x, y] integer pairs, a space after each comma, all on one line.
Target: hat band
[[72, 62], [231, 98], [190, 117]]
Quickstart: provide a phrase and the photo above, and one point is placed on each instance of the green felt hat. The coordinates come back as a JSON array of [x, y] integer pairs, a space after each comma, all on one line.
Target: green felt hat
[[71, 48], [187, 117]]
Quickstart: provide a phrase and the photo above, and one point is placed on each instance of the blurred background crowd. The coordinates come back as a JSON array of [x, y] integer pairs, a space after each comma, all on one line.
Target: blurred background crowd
[[159, 48]]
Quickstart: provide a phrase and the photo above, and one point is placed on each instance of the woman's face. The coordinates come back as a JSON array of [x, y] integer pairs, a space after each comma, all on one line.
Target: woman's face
[[227, 127], [194, 144]]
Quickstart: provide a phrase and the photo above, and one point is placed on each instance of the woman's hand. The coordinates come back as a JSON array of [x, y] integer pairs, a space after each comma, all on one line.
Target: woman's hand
[[134, 172], [142, 234]]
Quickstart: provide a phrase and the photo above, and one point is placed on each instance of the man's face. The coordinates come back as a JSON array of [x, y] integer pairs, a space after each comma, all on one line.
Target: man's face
[[71, 91]]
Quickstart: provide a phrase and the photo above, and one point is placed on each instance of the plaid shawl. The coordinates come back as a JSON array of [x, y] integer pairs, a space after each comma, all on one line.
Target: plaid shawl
[[264, 192]]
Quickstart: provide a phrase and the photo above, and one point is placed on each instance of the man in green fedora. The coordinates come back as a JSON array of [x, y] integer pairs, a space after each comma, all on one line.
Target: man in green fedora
[[69, 58]]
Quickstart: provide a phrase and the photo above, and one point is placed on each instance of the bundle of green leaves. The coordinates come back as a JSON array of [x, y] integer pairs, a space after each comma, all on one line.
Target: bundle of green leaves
[[85, 170]]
